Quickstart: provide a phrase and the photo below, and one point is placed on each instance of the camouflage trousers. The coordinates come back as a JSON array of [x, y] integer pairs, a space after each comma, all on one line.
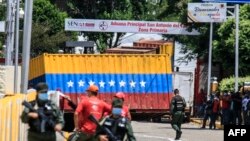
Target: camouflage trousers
[[177, 120], [80, 136], [47, 136]]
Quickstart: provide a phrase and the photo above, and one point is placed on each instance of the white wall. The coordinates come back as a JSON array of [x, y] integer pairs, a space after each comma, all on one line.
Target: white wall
[[7, 79]]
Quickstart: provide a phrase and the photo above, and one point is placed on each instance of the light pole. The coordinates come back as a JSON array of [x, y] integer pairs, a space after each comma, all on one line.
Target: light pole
[[19, 14], [26, 45], [236, 47], [210, 60]]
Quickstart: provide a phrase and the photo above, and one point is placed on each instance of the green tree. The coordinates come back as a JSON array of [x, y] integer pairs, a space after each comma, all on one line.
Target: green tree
[[48, 33], [45, 12], [2, 18], [101, 9], [224, 45], [227, 84], [223, 36], [43, 41], [193, 45]]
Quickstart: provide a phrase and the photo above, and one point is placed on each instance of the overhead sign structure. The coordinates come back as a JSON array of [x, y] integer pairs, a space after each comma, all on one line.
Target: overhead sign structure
[[127, 26], [207, 12], [2, 26], [228, 1]]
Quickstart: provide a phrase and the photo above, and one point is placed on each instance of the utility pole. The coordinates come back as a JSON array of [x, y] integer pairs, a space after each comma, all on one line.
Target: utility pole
[[210, 60], [16, 47], [237, 9], [26, 45], [10, 31]]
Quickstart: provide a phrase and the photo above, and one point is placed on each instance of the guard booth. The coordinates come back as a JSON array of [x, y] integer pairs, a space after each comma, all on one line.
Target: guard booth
[[85, 47]]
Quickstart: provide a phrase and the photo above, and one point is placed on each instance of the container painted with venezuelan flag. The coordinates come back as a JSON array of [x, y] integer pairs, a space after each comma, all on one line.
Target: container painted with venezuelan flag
[[145, 79]]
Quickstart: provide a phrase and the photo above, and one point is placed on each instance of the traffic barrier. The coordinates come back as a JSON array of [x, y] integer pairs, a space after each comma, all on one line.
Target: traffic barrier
[[11, 127]]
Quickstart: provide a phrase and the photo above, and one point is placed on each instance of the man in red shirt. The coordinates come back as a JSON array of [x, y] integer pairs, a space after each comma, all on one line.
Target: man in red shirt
[[226, 101], [200, 101], [215, 111], [89, 106]]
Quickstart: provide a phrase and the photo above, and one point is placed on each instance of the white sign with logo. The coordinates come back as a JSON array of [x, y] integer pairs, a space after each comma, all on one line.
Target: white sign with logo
[[127, 26], [2, 26], [207, 12]]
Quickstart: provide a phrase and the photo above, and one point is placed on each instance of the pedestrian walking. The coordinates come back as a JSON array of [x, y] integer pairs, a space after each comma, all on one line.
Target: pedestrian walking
[[208, 113], [236, 108], [226, 101], [89, 106], [246, 108], [215, 111], [177, 108]]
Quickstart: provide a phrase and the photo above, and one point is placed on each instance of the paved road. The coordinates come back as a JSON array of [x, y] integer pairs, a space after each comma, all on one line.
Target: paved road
[[145, 131]]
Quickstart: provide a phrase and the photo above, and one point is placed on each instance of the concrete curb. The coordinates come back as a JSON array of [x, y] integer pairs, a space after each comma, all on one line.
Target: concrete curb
[[199, 122]]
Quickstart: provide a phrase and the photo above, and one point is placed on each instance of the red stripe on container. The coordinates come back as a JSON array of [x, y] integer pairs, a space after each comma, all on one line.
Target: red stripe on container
[[134, 101]]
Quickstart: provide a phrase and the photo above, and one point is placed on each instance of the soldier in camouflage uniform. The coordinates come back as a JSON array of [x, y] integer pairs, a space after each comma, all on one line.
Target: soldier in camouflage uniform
[[51, 112], [177, 108]]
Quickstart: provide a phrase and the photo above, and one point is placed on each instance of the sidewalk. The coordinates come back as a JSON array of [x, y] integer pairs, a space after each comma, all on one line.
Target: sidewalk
[[199, 122]]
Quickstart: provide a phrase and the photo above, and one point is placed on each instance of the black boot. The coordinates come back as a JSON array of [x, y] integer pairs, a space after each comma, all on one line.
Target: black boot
[[178, 135], [203, 124]]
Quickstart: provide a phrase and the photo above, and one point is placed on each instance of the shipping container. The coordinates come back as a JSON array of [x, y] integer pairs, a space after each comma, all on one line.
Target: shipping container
[[184, 81], [146, 79], [130, 50], [165, 47]]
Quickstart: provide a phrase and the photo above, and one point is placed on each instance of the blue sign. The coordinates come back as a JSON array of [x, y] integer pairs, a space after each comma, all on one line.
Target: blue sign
[[228, 1]]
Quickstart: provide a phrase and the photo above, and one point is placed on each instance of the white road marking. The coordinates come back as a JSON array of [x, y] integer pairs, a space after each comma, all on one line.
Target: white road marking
[[171, 139], [156, 137], [148, 136]]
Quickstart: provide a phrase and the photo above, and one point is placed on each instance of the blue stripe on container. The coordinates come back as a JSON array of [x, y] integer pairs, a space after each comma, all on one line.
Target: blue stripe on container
[[155, 83]]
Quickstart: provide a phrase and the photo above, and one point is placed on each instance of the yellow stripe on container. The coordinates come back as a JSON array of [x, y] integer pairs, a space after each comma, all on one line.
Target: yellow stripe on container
[[167, 48], [105, 63]]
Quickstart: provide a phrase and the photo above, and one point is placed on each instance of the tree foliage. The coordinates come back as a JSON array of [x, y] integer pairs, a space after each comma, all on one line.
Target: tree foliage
[[223, 39], [227, 84], [224, 45], [101, 9], [2, 18], [198, 45], [47, 13], [48, 33], [43, 41]]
